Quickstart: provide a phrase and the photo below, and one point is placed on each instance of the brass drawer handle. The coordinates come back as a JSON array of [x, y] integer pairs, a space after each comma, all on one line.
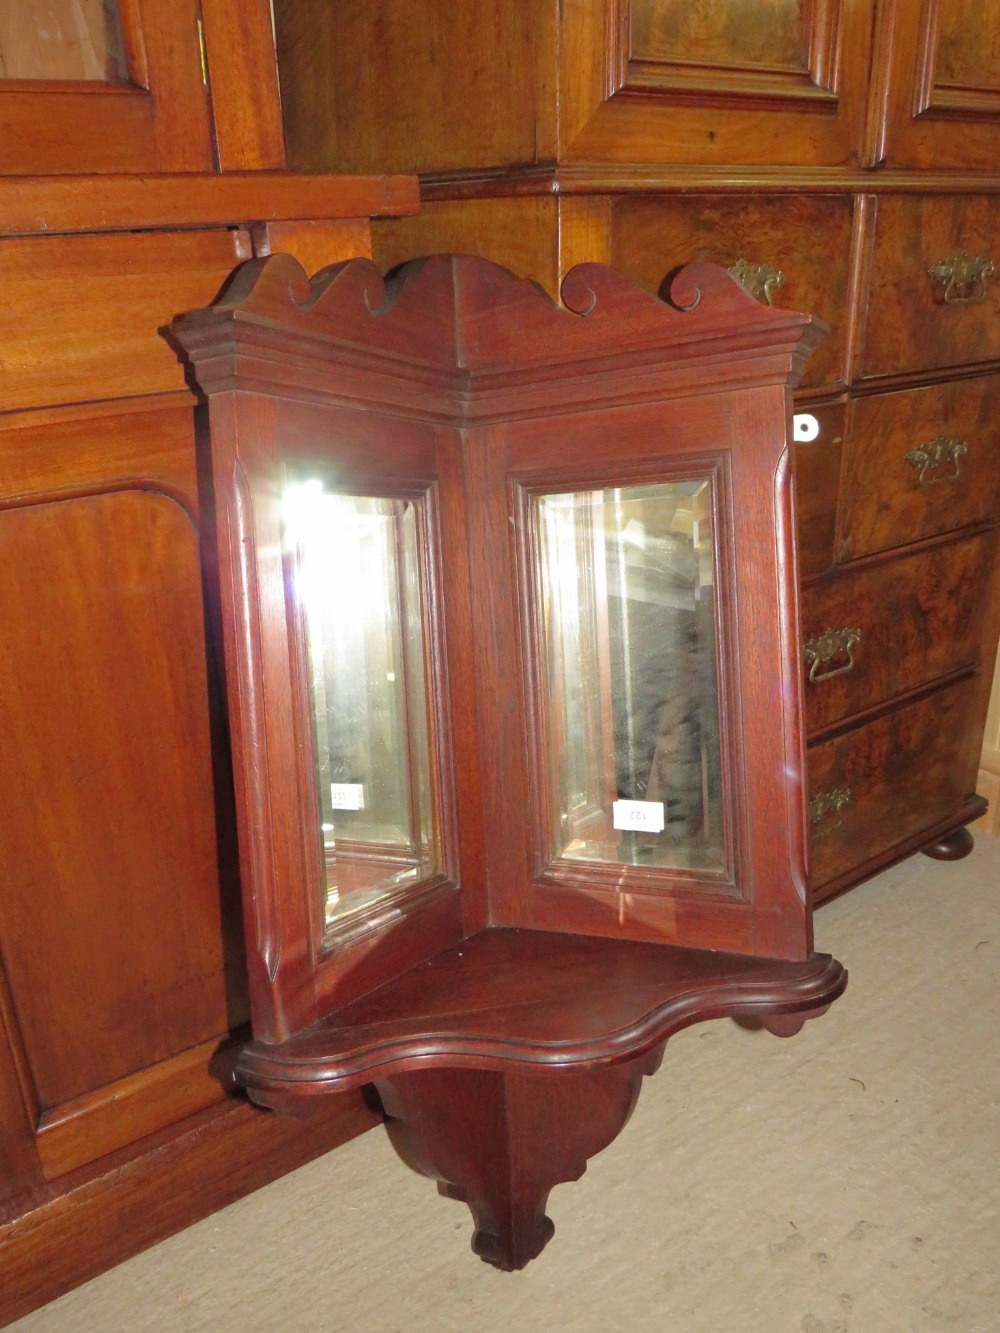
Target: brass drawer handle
[[942, 451], [757, 280], [830, 645], [963, 277], [825, 810]]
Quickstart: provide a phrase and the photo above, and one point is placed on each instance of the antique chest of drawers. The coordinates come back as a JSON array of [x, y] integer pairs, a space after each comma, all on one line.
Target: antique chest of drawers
[[840, 158]]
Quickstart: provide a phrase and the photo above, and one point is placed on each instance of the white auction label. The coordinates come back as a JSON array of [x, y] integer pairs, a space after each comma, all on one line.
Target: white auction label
[[347, 795], [641, 816]]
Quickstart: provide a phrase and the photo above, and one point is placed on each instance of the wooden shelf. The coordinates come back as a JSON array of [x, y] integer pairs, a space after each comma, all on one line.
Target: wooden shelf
[[508, 1060], [536, 999]]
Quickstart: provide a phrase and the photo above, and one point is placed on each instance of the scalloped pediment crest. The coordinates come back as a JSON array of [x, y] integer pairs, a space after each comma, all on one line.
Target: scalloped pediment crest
[[466, 313]]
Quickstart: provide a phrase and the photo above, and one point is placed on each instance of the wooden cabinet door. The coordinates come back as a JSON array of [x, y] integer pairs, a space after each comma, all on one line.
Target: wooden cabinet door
[[103, 88], [721, 81], [114, 916], [936, 92]]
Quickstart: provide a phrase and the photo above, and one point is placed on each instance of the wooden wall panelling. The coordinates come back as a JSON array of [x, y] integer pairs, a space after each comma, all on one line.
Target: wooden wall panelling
[[50, 205], [936, 92], [445, 88], [86, 448], [89, 1127], [584, 225]]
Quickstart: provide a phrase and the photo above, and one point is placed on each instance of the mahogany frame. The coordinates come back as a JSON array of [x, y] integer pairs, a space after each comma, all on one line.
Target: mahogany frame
[[459, 381]]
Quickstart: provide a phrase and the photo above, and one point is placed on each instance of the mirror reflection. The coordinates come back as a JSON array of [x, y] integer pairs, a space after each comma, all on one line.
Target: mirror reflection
[[357, 581], [626, 582]]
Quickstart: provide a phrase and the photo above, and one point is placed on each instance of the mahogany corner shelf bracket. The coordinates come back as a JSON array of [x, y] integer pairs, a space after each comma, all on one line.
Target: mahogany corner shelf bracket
[[510, 633]]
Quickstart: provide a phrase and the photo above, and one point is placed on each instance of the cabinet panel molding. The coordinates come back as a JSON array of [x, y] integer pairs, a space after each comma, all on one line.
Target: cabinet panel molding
[[731, 50], [88, 1127], [935, 92]]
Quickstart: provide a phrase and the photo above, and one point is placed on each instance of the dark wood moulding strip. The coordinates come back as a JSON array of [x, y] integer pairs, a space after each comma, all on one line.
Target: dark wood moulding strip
[[646, 178]]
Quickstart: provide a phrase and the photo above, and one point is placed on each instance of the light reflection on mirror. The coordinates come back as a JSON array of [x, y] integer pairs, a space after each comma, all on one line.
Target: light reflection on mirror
[[633, 758], [357, 581]]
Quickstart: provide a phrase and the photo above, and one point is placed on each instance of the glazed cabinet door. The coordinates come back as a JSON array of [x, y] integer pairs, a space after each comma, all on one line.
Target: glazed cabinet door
[[103, 86], [729, 81], [936, 92]]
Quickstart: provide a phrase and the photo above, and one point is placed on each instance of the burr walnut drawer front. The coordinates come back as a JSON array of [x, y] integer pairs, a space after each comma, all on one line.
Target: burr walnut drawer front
[[877, 785], [817, 483], [790, 251], [883, 630], [934, 286], [920, 462]]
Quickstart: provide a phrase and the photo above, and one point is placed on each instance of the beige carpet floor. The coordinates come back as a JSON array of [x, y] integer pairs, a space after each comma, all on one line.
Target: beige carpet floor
[[844, 1181]]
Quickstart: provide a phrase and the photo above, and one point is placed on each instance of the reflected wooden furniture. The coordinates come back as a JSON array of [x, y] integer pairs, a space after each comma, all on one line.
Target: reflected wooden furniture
[[122, 982], [507, 997], [842, 157]]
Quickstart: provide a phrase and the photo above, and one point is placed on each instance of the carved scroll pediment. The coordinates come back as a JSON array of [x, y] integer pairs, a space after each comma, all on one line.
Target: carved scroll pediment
[[462, 315]]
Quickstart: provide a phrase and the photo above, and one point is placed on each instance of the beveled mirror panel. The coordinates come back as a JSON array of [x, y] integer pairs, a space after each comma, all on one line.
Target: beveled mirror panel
[[356, 562], [625, 579]]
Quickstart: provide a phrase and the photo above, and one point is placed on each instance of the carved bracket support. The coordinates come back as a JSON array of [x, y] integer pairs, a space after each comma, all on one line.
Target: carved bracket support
[[500, 1141], [502, 1098]]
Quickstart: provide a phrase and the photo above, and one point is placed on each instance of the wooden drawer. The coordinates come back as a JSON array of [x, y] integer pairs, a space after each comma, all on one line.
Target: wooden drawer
[[894, 493], [904, 772], [914, 321], [805, 238], [817, 482], [918, 617]]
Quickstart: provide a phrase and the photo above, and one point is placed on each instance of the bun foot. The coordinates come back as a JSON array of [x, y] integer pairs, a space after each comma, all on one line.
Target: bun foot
[[787, 1025], [952, 847]]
